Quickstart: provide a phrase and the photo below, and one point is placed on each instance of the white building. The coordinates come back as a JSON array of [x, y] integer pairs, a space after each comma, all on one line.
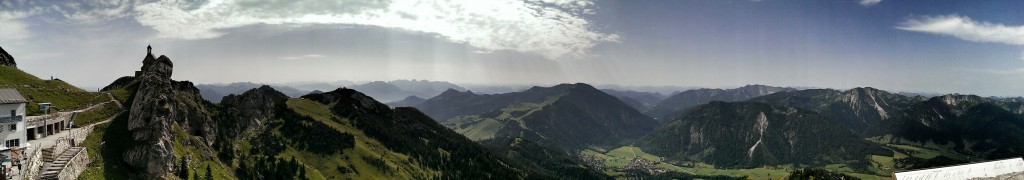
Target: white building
[[965, 171], [12, 120]]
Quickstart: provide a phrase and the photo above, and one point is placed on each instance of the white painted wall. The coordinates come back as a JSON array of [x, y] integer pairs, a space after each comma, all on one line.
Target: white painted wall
[[20, 132]]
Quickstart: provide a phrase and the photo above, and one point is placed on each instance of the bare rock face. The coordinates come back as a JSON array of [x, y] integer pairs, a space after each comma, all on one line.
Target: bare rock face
[[6, 59], [246, 114], [150, 121]]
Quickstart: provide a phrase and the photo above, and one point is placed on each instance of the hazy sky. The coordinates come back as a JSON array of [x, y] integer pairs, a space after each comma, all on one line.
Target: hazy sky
[[972, 47]]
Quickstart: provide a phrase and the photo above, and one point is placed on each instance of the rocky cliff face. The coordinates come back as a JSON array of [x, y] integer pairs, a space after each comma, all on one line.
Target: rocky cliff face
[[858, 108], [150, 120], [245, 115], [6, 59], [159, 104], [751, 134]]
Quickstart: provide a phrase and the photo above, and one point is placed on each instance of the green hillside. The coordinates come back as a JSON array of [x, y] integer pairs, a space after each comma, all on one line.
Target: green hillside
[[569, 117], [360, 158], [62, 95]]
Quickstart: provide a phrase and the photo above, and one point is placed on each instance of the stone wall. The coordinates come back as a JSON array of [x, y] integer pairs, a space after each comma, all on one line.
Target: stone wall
[[78, 135], [34, 164], [75, 166], [37, 121], [51, 153]]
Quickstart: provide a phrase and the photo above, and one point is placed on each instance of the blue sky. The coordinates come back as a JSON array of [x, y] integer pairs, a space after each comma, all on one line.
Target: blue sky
[[974, 47]]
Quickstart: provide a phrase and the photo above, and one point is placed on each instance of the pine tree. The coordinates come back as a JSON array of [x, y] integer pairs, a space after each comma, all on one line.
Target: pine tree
[[209, 173], [183, 168]]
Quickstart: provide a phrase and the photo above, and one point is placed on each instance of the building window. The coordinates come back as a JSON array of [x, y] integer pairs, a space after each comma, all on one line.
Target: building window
[[14, 127], [12, 143], [13, 113]]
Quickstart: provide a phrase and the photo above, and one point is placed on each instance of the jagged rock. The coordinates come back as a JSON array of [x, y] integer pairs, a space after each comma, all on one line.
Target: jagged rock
[[149, 121], [246, 114], [6, 59]]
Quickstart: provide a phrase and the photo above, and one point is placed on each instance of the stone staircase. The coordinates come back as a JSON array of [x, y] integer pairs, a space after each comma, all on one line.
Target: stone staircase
[[54, 170]]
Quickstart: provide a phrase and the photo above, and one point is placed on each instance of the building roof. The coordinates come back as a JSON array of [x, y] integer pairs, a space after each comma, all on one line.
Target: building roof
[[966, 171], [11, 96]]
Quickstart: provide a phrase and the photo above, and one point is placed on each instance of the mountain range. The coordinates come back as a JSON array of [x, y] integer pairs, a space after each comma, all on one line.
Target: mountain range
[[169, 130], [214, 92], [641, 101], [672, 106]]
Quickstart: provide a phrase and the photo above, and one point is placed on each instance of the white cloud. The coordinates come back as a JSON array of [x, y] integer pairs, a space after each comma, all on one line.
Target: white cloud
[[964, 28], [95, 11], [869, 2], [308, 56], [13, 27], [551, 28]]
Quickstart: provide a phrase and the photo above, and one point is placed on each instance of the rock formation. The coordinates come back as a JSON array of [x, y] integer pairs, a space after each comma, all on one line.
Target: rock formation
[[150, 121], [244, 115], [6, 59]]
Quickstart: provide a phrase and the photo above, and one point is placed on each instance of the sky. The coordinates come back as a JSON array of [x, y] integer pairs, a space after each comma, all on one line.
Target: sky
[[971, 47]]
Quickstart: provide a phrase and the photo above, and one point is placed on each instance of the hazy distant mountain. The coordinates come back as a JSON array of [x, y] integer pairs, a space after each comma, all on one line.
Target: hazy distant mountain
[[569, 116], [216, 92], [400, 89], [407, 102], [641, 101], [922, 94], [858, 108], [664, 90], [677, 103], [495, 89], [751, 134], [317, 86]]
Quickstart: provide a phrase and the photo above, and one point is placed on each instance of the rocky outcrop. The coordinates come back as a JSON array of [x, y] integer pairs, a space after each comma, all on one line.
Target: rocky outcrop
[[245, 115], [150, 121], [6, 59], [159, 103]]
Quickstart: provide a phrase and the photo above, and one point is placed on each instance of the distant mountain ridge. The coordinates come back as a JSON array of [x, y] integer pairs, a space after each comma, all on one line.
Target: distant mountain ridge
[[397, 90], [682, 101], [407, 102], [641, 101], [215, 92]]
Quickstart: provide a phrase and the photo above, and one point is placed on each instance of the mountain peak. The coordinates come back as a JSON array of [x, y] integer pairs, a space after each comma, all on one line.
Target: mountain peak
[[357, 99], [6, 59], [450, 91]]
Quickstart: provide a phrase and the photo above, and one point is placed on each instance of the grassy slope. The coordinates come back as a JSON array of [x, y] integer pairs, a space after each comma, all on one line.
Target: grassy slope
[[100, 168], [364, 147], [476, 128], [96, 115], [63, 95], [200, 155]]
